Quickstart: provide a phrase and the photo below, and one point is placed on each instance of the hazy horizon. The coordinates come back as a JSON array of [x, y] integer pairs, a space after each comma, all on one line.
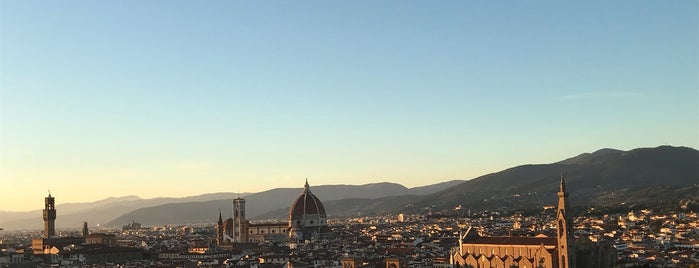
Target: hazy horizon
[[205, 193], [58, 202], [175, 98]]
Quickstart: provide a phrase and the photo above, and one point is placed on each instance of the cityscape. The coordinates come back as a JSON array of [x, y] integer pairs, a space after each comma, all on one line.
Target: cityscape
[[349, 134], [552, 235]]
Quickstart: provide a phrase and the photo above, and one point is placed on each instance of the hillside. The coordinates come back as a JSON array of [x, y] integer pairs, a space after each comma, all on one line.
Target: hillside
[[604, 177], [354, 207], [270, 204], [598, 178], [72, 215], [607, 176]]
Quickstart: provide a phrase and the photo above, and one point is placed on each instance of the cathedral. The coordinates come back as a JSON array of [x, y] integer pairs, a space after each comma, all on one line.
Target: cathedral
[[307, 221], [561, 251], [307, 218]]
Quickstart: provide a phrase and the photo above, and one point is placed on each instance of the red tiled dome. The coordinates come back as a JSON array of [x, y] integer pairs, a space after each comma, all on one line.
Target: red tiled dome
[[306, 204]]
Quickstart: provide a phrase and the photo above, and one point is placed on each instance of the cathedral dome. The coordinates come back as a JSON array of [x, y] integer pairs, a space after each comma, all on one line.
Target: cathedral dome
[[306, 205]]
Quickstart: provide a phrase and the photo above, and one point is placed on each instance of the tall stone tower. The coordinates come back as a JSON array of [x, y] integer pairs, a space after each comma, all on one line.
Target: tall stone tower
[[566, 255], [239, 232], [86, 231], [49, 216]]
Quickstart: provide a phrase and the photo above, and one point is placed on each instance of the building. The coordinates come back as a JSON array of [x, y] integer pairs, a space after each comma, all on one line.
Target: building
[[54, 245], [49, 243], [85, 230], [49, 216], [100, 239], [307, 220], [561, 251], [238, 229]]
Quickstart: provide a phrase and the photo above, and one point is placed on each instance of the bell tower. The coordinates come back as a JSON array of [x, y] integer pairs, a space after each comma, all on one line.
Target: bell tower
[[49, 216], [566, 255], [239, 230]]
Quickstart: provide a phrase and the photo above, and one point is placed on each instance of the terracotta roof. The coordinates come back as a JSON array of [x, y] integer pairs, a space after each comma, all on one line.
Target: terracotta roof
[[306, 204], [509, 240]]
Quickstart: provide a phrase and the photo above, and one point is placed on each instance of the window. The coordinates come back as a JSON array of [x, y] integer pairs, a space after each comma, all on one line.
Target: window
[[563, 260], [311, 221], [560, 228]]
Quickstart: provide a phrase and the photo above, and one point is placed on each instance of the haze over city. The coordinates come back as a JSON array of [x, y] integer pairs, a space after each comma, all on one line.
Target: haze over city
[[169, 98]]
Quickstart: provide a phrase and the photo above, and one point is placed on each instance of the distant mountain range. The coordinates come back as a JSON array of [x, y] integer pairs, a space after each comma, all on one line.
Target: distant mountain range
[[272, 200], [72, 215], [605, 177], [117, 211]]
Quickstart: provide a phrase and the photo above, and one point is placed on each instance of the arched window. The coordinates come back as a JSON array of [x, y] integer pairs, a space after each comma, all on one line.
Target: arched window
[[560, 228], [563, 260]]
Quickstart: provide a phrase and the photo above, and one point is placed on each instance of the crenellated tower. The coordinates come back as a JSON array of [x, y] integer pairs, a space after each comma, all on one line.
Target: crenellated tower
[[566, 256], [49, 216]]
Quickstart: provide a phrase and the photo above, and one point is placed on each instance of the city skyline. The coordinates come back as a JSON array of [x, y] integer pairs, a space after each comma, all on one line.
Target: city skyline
[[101, 99]]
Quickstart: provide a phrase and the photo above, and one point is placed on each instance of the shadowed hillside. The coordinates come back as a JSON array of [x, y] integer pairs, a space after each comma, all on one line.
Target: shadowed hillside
[[592, 178]]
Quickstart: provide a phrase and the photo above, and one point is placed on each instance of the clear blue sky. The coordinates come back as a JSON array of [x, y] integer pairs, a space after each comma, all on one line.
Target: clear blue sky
[[178, 98]]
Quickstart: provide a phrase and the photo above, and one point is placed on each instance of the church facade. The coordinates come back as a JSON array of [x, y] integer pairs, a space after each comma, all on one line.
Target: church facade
[[306, 221], [561, 251]]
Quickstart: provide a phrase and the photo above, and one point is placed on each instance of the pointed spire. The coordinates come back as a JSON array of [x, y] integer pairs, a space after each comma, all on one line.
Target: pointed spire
[[306, 187], [49, 192], [563, 184]]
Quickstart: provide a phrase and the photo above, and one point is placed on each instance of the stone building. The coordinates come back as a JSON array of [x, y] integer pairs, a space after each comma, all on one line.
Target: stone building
[[49, 216], [307, 220], [561, 251]]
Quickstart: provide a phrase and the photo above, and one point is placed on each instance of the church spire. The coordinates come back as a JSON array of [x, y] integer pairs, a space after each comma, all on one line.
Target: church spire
[[566, 256], [219, 229], [563, 184]]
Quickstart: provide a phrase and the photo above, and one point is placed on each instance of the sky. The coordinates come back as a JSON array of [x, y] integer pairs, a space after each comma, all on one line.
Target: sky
[[180, 98]]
